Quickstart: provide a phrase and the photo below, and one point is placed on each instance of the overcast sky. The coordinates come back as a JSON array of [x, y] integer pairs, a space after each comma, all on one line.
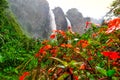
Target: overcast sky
[[91, 8]]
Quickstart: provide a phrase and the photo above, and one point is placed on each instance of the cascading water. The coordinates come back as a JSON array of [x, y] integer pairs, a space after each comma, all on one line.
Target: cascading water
[[52, 20], [68, 22]]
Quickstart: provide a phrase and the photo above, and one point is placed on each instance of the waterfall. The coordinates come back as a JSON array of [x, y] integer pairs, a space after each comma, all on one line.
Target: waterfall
[[68, 22], [69, 26], [52, 20]]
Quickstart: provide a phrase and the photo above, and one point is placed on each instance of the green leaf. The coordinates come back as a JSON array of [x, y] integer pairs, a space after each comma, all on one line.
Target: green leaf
[[115, 78], [101, 70], [110, 73], [16, 71], [63, 76], [74, 63], [63, 62], [42, 65], [33, 63], [1, 58]]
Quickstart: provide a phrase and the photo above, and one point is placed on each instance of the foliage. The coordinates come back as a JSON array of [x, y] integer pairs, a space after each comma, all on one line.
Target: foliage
[[66, 56], [15, 48], [69, 56], [3, 5], [116, 5]]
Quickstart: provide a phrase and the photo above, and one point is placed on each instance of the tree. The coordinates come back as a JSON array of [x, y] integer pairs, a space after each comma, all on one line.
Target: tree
[[116, 7], [113, 12]]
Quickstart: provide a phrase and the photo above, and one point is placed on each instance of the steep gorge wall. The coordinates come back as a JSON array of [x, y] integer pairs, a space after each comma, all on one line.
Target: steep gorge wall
[[33, 15], [38, 21], [60, 19], [77, 20]]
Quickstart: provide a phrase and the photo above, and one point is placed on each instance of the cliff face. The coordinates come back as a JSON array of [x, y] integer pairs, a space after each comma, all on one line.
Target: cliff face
[[77, 20], [60, 19], [33, 15], [37, 20]]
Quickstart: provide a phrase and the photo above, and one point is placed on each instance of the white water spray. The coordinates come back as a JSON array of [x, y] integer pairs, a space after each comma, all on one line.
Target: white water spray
[[52, 20], [68, 22]]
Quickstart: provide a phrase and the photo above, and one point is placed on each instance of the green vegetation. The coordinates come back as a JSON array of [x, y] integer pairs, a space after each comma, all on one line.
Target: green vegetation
[[94, 55], [116, 7], [114, 10], [66, 56], [15, 48]]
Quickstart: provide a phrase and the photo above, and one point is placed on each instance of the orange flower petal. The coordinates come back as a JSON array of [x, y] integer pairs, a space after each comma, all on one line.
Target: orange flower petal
[[68, 45], [82, 67], [52, 36], [63, 45]]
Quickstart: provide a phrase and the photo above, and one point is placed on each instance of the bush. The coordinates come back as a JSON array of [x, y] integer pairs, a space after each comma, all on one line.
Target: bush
[[94, 55]]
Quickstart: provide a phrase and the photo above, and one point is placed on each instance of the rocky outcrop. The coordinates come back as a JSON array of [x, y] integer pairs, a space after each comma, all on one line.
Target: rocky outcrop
[[38, 21], [60, 19], [33, 15], [87, 19], [77, 20]]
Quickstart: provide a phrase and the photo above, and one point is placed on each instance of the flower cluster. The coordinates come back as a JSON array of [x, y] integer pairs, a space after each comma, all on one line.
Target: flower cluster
[[113, 25], [112, 55], [53, 35], [91, 56], [83, 43]]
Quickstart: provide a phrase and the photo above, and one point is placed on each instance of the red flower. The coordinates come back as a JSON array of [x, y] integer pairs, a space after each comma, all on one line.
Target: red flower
[[75, 77], [71, 70], [114, 63], [45, 42], [42, 51], [106, 53], [90, 58], [54, 52], [68, 45], [111, 29], [114, 56], [37, 55], [87, 23], [82, 67], [59, 70], [62, 33], [94, 35], [111, 55], [115, 22], [24, 75], [83, 43], [47, 47], [52, 36], [49, 71], [63, 45], [113, 25], [21, 77]]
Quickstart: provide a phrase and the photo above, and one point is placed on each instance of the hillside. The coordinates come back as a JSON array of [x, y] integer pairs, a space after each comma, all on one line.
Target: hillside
[[15, 47]]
